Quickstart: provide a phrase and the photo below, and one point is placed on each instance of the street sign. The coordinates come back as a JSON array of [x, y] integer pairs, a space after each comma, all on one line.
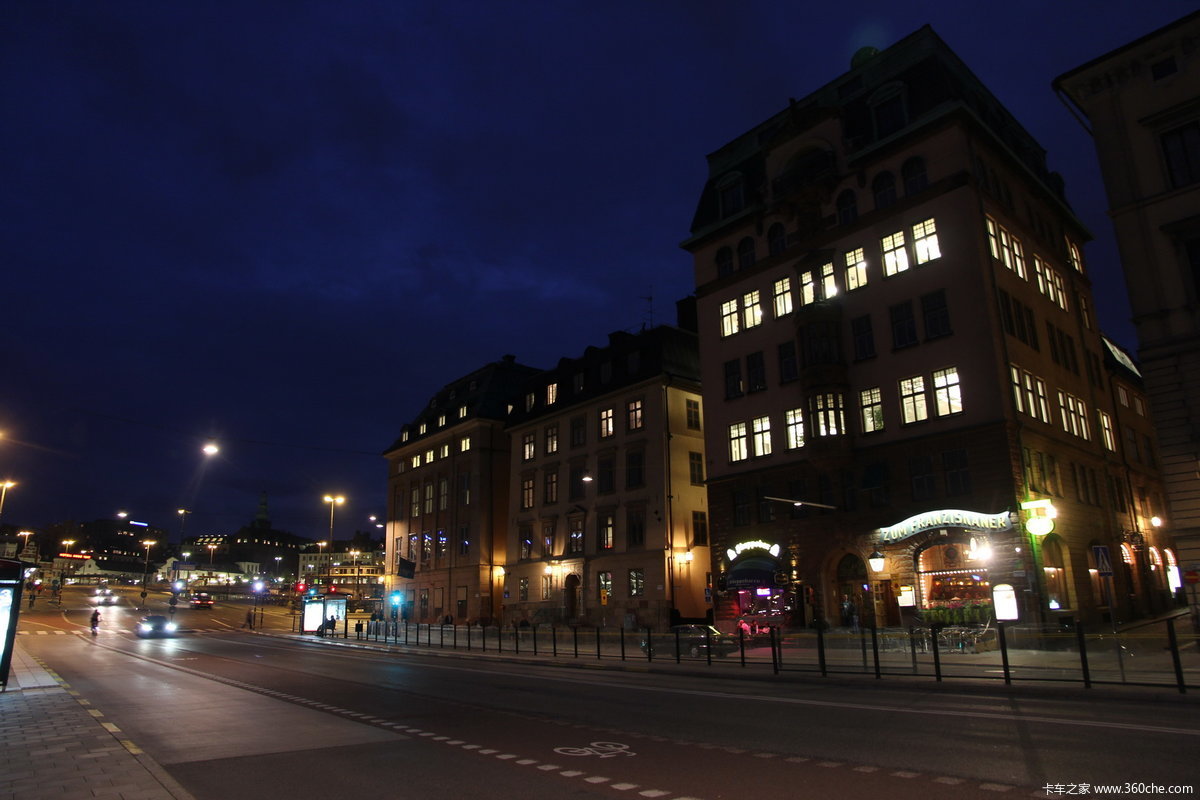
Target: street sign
[[1192, 577], [1103, 564]]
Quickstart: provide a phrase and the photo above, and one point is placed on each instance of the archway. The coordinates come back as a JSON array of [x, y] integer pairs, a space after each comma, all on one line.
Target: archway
[[571, 597], [853, 591]]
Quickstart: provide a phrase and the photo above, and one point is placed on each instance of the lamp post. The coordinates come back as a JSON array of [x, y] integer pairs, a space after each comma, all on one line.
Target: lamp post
[[147, 543], [182, 512], [279, 567], [334, 501], [66, 543], [320, 558], [354, 560], [4, 487]]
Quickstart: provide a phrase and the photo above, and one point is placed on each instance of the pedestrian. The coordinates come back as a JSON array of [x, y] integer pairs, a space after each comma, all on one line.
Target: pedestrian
[[95, 621], [249, 623]]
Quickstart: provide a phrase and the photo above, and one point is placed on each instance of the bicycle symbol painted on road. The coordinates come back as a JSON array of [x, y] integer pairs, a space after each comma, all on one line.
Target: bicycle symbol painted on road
[[602, 749]]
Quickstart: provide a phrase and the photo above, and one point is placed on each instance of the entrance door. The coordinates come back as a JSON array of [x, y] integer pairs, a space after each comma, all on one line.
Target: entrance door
[[571, 597], [853, 590]]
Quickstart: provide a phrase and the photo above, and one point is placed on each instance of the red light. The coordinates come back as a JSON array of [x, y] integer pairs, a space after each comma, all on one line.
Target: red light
[[300, 587]]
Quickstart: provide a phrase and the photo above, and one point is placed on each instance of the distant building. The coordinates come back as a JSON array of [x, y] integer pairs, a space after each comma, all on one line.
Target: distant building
[[270, 551], [1140, 101], [448, 505], [608, 504], [908, 402]]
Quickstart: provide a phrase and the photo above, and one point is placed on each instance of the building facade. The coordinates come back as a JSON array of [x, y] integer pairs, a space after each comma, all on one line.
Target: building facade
[[448, 500], [1141, 105], [905, 389], [609, 516]]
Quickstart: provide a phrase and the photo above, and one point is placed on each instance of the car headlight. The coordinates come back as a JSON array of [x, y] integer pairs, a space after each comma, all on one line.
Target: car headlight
[[171, 626], [144, 628]]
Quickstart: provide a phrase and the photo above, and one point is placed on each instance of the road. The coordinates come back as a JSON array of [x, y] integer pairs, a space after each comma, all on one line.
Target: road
[[233, 714]]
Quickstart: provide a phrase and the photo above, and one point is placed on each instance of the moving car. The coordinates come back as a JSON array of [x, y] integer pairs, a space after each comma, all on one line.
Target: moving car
[[155, 625], [201, 600], [694, 641], [105, 596]]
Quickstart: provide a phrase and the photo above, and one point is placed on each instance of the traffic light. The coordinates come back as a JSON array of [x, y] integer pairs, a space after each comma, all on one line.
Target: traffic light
[[300, 587], [396, 598], [312, 591]]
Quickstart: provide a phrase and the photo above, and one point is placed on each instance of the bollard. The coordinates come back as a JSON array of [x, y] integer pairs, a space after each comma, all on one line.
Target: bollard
[[875, 649], [821, 650], [1003, 651], [1083, 659], [937, 657], [1174, 644]]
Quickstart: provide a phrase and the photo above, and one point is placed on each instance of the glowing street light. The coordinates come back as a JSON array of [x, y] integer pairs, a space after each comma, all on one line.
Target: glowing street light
[[211, 449], [4, 487], [147, 543], [66, 543], [334, 501], [26, 534]]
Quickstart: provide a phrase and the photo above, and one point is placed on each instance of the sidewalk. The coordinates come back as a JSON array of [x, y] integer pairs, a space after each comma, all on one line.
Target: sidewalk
[[54, 746]]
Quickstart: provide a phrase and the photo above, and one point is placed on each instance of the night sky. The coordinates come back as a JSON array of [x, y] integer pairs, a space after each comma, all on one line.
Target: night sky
[[284, 225]]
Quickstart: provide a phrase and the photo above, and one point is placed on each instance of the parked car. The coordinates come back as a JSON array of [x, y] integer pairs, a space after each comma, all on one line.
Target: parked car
[[694, 640], [155, 625]]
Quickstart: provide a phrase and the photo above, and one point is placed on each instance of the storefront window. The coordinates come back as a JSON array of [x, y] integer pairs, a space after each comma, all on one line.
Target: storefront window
[[955, 588]]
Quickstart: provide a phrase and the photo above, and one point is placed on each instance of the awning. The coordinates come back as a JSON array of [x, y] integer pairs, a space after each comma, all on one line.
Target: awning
[[752, 572]]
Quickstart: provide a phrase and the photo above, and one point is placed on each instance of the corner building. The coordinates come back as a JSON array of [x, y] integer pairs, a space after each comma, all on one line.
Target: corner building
[[448, 500], [1140, 103], [609, 509], [908, 401]]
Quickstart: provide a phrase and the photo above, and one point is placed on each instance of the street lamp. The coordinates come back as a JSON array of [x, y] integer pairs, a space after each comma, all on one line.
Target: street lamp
[[333, 501], [320, 558], [354, 557], [211, 449], [66, 543], [278, 566], [26, 534], [4, 487], [182, 512], [147, 543]]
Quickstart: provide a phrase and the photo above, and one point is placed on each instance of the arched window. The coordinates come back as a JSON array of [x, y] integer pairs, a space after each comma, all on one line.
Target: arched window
[[1054, 567], [847, 207], [746, 253], [776, 239], [913, 175], [724, 262], [884, 188]]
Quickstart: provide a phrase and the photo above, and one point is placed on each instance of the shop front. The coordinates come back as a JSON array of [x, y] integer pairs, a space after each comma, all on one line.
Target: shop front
[[756, 586], [942, 566]]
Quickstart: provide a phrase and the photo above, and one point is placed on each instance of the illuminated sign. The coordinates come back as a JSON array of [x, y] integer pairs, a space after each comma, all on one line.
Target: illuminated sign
[[1004, 601], [907, 598], [742, 547], [946, 518]]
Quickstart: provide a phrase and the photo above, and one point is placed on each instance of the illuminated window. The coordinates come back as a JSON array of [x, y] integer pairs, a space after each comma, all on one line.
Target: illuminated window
[[575, 537], [1073, 413], [895, 257], [1055, 574], [527, 493], [551, 438], [462, 412], [1005, 247], [783, 297], [946, 392], [729, 318], [523, 589], [464, 444], [828, 282], [605, 531], [1106, 432], [550, 488], [808, 288], [1073, 256], [443, 494], [528, 447], [551, 394], [547, 586], [416, 460], [738, 444], [912, 400], [530, 399], [751, 309], [428, 456], [793, 420], [416, 501], [925, 241], [762, 436], [604, 584], [856, 270], [444, 451], [637, 582], [607, 426], [871, 403], [441, 420], [829, 410]]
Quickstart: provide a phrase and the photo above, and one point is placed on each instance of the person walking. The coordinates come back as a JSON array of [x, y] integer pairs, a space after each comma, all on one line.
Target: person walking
[[95, 621], [249, 623]]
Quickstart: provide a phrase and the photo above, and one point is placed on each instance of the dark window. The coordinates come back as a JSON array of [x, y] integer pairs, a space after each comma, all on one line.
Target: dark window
[[788, 368], [699, 529], [733, 379], [820, 342], [578, 431], [741, 507], [958, 477], [756, 372], [606, 474], [635, 528], [864, 337], [693, 414], [936, 314], [733, 198], [1006, 315], [724, 262], [904, 325], [884, 189], [746, 256], [888, 112], [766, 508], [847, 207], [875, 484], [1182, 150], [696, 468], [776, 239], [924, 483], [913, 175], [635, 469]]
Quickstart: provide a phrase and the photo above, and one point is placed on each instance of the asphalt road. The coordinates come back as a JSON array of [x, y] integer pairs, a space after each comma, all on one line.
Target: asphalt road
[[233, 714]]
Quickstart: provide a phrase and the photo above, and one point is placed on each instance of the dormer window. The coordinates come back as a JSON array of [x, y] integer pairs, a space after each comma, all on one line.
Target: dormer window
[[888, 110], [732, 195]]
